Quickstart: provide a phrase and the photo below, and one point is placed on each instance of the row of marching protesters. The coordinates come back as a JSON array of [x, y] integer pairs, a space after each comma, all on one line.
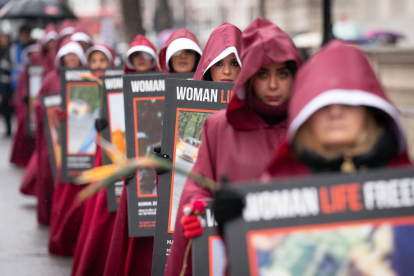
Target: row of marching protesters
[[284, 120]]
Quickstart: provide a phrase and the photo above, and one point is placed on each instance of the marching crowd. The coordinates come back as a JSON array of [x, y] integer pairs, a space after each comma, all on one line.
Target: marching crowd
[[285, 119]]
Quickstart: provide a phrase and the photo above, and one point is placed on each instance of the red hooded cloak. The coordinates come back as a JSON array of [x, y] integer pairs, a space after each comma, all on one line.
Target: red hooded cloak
[[49, 56], [67, 213], [223, 41], [181, 39], [129, 256], [140, 44], [341, 74], [23, 146], [95, 233], [44, 181], [246, 135]]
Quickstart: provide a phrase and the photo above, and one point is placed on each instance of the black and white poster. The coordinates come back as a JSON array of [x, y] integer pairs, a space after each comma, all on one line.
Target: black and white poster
[[52, 130], [331, 224], [113, 111], [81, 93], [188, 105], [209, 253], [34, 79], [144, 102]]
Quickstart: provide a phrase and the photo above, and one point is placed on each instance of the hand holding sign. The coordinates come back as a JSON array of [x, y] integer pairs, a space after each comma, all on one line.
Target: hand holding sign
[[192, 222]]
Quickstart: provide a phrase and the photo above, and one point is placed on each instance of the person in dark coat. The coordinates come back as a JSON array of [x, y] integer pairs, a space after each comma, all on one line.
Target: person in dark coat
[[6, 92], [253, 125]]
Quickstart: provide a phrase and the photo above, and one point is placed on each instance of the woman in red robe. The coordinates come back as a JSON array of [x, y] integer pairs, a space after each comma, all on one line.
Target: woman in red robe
[[181, 53], [23, 145], [70, 55], [253, 124], [95, 233], [131, 256], [47, 60], [340, 120]]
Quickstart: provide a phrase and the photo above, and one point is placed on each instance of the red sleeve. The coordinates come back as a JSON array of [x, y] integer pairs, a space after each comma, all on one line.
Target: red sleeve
[[204, 166]]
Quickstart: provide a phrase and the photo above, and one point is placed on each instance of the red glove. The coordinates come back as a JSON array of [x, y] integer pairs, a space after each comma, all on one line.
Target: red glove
[[61, 114], [192, 222]]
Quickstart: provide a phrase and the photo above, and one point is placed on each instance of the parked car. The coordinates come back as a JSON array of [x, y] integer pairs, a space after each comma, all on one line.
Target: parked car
[[187, 149]]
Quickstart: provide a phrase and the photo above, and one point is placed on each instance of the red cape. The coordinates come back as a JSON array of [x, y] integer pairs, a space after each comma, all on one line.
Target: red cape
[[23, 146], [128, 256], [95, 234], [44, 183], [247, 135], [341, 74], [181, 33], [224, 36], [140, 44]]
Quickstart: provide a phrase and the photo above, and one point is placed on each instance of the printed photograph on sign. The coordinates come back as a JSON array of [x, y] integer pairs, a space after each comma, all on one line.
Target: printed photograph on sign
[[54, 128], [117, 120], [35, 83], [188, 133], [218, 257], [357, 249], [82, 109], [148, 136]]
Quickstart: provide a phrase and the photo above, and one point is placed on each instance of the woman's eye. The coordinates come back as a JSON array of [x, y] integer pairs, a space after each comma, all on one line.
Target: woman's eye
[[283, 74], [219, 63], [235, 63], [262, 74]]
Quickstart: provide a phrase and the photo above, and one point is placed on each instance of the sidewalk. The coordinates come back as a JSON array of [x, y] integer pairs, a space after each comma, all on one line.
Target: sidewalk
[[23, 242]]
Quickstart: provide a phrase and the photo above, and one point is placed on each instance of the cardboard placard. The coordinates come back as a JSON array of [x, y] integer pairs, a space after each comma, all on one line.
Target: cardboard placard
[[144, 102], [209, 253], [52, 131], [82, 99], [113, 112], [330, 224], [34, 79], [188, 105]]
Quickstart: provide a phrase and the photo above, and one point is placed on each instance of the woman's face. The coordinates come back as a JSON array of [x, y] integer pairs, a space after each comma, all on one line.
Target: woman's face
[[183, 61], [51, 45], [337, 126], [272, 83], [98, 60], [71, 60], [225, 70], [142, 61]]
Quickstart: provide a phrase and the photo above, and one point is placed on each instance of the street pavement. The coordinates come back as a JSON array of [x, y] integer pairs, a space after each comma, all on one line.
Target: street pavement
[[23, 242]]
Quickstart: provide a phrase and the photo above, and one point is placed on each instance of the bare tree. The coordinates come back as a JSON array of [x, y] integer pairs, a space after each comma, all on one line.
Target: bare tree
[[262, 10], [163, 16], [133, 19]]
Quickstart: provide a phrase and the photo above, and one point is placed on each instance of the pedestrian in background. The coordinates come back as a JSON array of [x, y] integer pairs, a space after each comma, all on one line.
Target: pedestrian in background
[[6, 93]]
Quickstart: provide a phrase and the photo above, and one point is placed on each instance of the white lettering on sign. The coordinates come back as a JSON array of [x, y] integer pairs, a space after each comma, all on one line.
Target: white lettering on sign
[[197, 94], [53, 100], [148, 86], [210, 218], [75, 75], [271, 205], [386, 194], [113, 83]]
